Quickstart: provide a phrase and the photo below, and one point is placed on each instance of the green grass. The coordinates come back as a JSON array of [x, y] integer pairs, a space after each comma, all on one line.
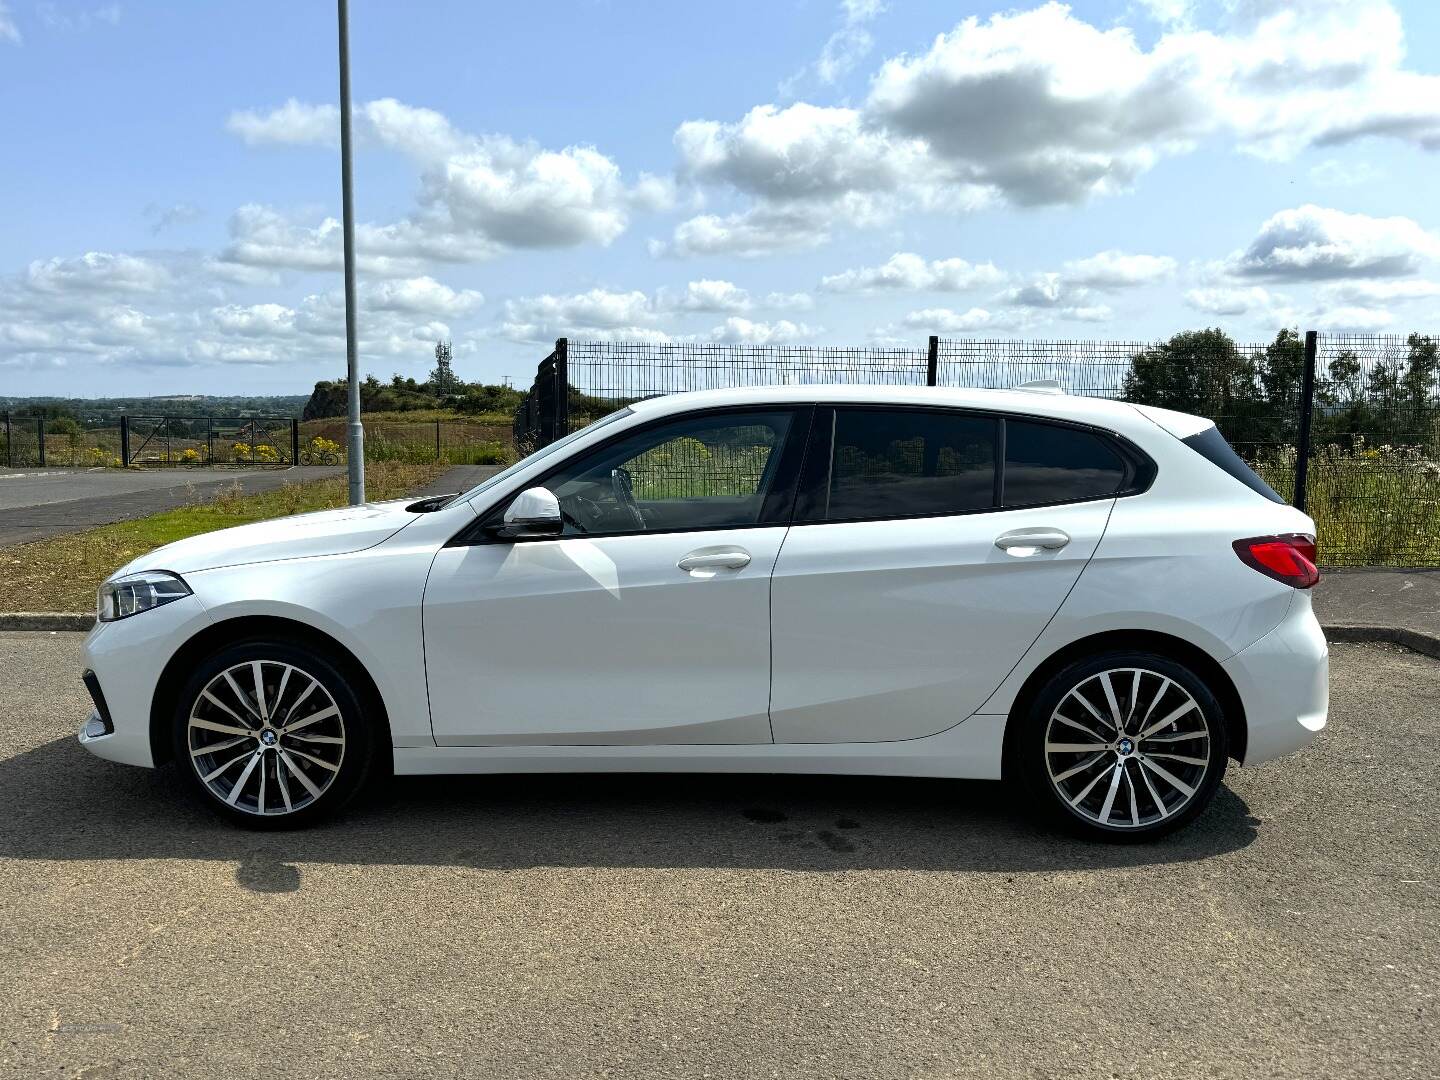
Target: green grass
[[1372, 506], [62, 574]]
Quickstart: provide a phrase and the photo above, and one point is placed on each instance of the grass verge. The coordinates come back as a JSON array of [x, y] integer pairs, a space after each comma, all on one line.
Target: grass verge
[[62, 573]]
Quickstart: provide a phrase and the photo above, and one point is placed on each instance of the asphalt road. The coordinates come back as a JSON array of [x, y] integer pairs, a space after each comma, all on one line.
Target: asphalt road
[[721, 927]]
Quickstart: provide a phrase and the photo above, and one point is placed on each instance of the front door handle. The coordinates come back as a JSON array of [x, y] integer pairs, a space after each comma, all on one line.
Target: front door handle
[[715, 559], [1023, 542]]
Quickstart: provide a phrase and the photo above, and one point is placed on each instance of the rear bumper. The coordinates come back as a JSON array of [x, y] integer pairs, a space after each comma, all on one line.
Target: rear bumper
[[1284, 682]]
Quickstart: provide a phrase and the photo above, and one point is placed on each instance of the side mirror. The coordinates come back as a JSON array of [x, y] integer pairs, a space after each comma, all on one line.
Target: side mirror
[[534, 512]]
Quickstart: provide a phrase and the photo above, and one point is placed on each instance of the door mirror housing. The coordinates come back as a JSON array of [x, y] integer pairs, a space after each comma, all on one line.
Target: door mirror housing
[[535, 512]]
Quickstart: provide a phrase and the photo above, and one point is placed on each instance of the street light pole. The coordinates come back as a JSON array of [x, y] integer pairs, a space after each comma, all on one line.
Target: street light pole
[[356, 450]]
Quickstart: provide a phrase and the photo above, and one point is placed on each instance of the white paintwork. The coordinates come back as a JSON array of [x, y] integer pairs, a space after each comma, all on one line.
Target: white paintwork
[[601, 640], [895, 631], [324, 532], [898, 647]]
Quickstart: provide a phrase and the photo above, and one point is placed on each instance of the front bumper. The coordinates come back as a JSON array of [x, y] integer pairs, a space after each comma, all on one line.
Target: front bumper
[[127, 658], [1284, 683]]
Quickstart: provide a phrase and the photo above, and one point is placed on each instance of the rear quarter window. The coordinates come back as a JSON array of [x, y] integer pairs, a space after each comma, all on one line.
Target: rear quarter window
[[1211, 445], [1047, 463]]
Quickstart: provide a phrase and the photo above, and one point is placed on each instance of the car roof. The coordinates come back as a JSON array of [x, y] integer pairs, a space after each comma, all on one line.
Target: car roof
[[1102, 412]]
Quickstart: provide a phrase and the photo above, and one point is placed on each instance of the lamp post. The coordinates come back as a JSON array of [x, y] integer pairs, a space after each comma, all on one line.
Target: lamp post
[[356, 442]]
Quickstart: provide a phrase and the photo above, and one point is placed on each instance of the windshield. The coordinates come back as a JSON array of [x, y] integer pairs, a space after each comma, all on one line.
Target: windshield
[[539, 455]]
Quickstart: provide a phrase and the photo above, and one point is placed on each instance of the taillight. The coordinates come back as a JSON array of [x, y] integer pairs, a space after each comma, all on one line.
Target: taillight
[[1289, 558]]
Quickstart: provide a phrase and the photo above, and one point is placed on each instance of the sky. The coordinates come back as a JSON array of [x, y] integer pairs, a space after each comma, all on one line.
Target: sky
[[793, 171]]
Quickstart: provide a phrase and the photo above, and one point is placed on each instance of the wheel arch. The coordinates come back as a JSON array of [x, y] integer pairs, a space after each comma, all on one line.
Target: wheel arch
[[268, 628], [1177, 649]]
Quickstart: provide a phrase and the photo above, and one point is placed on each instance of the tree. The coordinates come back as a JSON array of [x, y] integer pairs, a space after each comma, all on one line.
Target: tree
[[1196, 371], [443, 380], [1420, 385]]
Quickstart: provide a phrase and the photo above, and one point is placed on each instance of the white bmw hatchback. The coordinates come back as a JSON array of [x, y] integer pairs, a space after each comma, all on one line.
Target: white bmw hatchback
[[1096, 600]]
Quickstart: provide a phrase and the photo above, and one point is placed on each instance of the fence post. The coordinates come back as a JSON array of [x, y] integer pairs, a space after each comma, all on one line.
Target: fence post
[[932, 365], [437, 440], [294, 442], [40, 430], [209, 441], [9, 443], [562, 387], [1307, 413], [124, 441]]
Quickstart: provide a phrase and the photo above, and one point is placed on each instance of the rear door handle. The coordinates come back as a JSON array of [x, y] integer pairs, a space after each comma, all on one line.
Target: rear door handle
[[715, 559], [1022, 542]]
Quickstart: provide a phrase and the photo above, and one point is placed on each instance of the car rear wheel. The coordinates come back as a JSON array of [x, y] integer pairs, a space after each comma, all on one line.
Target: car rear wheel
[[270, 735], [1124, 746]]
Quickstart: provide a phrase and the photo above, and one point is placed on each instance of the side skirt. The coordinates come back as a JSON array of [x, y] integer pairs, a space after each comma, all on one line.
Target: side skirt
[[968, 751]]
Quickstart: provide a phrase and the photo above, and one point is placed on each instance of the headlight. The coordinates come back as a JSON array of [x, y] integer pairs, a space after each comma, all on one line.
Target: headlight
[[134, 593]]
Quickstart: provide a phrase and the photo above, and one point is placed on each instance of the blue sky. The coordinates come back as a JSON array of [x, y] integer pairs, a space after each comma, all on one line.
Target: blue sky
[[813, 172]]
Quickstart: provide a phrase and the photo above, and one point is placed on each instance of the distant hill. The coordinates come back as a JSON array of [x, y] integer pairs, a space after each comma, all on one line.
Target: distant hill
[[168, 405]]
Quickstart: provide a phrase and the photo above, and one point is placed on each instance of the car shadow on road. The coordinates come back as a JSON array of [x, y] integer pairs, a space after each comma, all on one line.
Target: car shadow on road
[[57, 802]]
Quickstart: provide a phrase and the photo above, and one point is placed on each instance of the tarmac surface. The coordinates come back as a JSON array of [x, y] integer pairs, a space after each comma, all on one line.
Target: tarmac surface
[[1380, 596], [721, 926], [36, 503]]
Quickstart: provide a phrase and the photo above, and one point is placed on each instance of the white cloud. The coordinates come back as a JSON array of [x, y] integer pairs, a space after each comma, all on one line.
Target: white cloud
[[1041, 107], [265, 238], [1222, 300], [479, 194], [598, 313], [1095, 313], [8, 30], [912, 273], [294, 123], [843, 49], [946, 321], [162, 310], [1117, 270], [1358, 319], [1335, 173], [1043, 291], [1311, 243], [1177, 13], [761, 230], [77, 20], [706, 295], [1381, 292], [738, 330], [422, 296], [97, 272]]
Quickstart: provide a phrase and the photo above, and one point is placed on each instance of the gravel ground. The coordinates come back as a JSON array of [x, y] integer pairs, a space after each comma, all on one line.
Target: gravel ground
[[721, 927]]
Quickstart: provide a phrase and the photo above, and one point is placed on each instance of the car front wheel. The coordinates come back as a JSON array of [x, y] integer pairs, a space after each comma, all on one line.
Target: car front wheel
[[270, 735], [1124, 746]]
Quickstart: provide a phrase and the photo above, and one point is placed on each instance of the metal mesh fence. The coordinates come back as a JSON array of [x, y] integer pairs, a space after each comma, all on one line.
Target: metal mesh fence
[[1251, 391], [606, 375], [1371, 405], [1374, 480]]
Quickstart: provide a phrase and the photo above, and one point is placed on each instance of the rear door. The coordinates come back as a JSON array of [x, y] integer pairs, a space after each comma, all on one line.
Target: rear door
[[929, 549]]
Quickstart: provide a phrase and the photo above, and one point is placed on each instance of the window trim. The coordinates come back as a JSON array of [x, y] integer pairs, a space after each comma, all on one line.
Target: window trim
[[788, 470], [1140, 469]]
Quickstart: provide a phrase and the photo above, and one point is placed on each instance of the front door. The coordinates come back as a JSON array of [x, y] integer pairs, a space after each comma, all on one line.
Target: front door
[[648, 619], [920, 567]]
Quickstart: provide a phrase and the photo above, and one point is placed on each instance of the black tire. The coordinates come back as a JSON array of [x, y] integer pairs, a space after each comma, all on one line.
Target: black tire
[[347, 766], [1141, 773]]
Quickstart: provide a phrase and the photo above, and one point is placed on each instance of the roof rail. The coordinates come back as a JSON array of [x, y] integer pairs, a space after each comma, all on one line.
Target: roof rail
[[1042, 386]]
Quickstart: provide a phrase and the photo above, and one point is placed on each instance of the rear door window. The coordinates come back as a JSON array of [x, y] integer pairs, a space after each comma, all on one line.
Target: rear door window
[[895, 463], [1049, 463]]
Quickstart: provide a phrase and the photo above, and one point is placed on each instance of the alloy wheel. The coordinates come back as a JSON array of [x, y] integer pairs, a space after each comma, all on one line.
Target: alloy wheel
[[1128, 747], [266, 738]]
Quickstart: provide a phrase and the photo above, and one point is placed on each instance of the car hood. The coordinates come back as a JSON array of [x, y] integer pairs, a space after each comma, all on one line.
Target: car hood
[[325, 532]]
